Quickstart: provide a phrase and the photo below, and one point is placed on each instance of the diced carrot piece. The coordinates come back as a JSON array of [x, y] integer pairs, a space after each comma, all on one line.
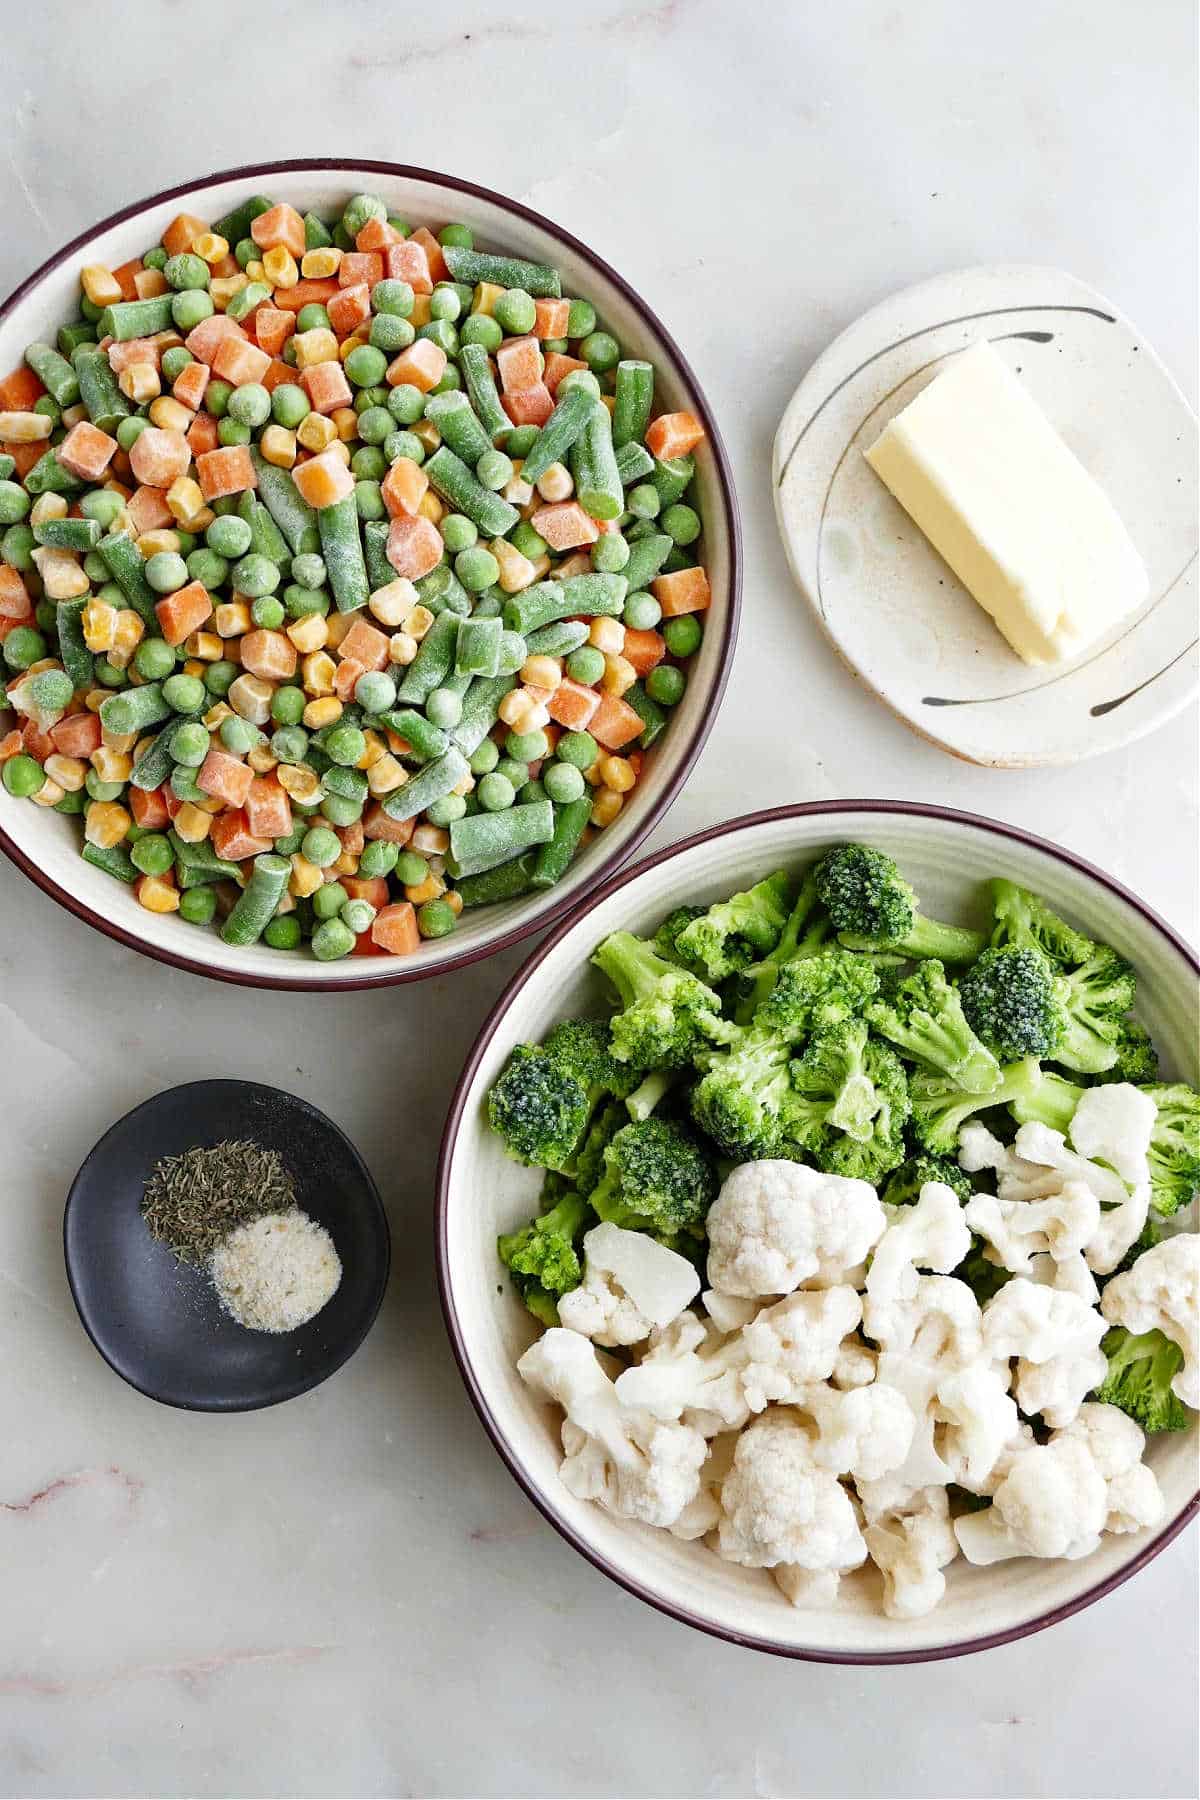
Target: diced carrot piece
[[407, 261], [358, 267], [272, 328], [326, 386], [270, 654], [38, 743], [158, 457], [564, 525], [376, 234], [531, 406], [87, 452], [572, 705], [11, 744], [682, 591], [78, 734], [433, 253], [20, 391], [520, 364], [364, 643], [348, 308], [644, 649], [551, 318], [239, 361], [614, 723], [14, 595], [404, 486], [148, 510], [558, 365], [378, 825], [24, 456], [305, 293], [124, 278], [279, 374], [225, 777], [122, 356], [414, 546], [231, 836], [345, 676], [202, 435], [363, 945], [422, 365], [352, 837], [149, 808], [190, 384], [169, 800], [268, 809], [205, 339], [282, 224], [323, 480], [227, 470], [371, 888], [674, 434], [182, 233], [184, 611], [394, 929]]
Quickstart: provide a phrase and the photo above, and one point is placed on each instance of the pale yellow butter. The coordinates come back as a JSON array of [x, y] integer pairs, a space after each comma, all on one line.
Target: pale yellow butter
[[978, 466]]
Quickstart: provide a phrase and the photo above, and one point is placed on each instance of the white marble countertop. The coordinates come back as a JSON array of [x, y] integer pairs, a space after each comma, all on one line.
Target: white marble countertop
[[348, 1595]]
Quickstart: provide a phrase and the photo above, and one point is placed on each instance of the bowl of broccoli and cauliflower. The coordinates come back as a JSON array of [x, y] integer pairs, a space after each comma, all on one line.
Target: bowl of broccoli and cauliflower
[[817, 1232]]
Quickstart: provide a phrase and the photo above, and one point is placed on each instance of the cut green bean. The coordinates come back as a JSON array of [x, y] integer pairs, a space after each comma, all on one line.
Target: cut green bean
[[380, 572], [424, 740], [459, 425], [570, 821], [453, 480], [482, 840], [126, 319], [98, 389], [266, 539], [480, 711], [580, 596], [481, 387], [594, 466], [478, 648], [560, 431], [68, 534], [646, 558], [76, 657], [432, 663], [673, 478], [634, 463], [441, 591], [633, 398], [128, 569], [341, 546], [114, 859], [134, 709], [258, 900], [71, 336], [236, 224], [507, 881], [155, 762], [558, 639], [433, 782], [54, 372], [287, 506], [649, 711], [197, 864], [473, 266], [48, 476]]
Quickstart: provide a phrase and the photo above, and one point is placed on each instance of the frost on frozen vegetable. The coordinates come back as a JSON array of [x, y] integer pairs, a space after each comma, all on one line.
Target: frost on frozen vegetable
[[348, 573], [846, 1263]]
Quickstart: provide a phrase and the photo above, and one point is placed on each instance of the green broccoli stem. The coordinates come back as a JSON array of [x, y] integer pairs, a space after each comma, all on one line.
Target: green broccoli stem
[[1044, 1098], [631, 964], [925, 937], [646, 1097], [792, 946]]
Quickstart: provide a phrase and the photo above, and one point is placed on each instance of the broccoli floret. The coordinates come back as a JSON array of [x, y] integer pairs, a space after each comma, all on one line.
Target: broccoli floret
[[736, 932], [539, 1109], [544, 1251], [1137, 1059], [739, 1100], [1140, 1372], [873, 908], [538, 1301], [669, 1014], [656, 1179], [816, 991], [1008, 998], [923, 1016], [1020, 918], [1174, 1152], [1093, 1000], [805, 934], [848, 1104], [903, 1185], [940, 1108], [666, 938], [582, 1048], [589, 1158]]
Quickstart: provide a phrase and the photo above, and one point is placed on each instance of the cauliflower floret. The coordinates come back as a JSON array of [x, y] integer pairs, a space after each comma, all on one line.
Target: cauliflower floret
[[776, 1224], [910, 1545], [1063, 1224], [863, 1433], [1016, 1179], [779, 1507], [980, 1420], [923, 1340], [1056, 1337], [807, 1589], [1052, 1502], [703, 1514], [1116, 1442], [632, 1464], [1070, 1275], [855, 1365], [631, 1284], [1134, 1500], [1115, 1122], [1162, 1293], [930, 1235], [1123, 1213], [727, 1312]]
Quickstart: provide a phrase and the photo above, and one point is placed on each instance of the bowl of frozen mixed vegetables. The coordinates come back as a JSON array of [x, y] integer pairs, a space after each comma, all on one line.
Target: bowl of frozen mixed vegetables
[[818, 1235], [368, 573]]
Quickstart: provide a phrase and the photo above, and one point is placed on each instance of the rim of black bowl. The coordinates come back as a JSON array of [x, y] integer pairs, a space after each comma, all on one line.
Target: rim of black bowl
[[748, 1640], [444, 964], [353, 1342]]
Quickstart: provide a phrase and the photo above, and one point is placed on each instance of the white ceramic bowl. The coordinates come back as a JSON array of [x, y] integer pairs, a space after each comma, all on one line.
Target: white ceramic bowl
[[46, 845], [947, 856]]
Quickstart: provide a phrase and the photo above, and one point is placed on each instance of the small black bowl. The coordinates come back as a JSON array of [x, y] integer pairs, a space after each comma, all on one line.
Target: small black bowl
[[157, 1321]]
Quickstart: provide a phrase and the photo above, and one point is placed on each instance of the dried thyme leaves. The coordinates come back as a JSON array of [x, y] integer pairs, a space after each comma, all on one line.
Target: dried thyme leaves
[[193, 1201]]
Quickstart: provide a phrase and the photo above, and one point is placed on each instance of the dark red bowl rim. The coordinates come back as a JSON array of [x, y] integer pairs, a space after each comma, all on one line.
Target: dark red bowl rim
[[810, 809], [304, 983]]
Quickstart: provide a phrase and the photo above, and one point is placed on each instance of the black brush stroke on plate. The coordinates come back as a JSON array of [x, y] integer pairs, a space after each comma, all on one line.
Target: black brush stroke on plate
[[157, 1321]]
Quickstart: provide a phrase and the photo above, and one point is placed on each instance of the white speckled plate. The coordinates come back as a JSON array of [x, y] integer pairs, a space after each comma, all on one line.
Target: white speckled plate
[[900, 618]]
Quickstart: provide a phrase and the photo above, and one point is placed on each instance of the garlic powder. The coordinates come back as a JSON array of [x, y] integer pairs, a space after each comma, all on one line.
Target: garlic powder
[[277, 1272]]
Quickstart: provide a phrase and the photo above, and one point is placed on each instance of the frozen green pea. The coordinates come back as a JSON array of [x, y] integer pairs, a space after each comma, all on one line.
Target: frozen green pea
[[581, 319], [220, 676], [198, 905], [527, 746], [375, 691], [23, 647], [481, 329], [643, 501], [444, 708], [229, 536], [563, 782], [255, 575], [578, 748], [14, 503], [231, 433], [152, 854], [378, 858], [250, 404], [368, 500], [102, 505], [166, 571], [309, 570], [365, 366], [446, 810], [175, 361], [484, 759], [206, 567], [666, 684], [189, 743], [586, 665], [496, 792], [289, 744], [444, 302], [283, 932], [375, 424], [494, 470], [477, 569], [329, 900], [436, 918], [22, 775], [238, 736], [183, 693], [683, 635], [312, 317], [321, 846], [357, 915], [332, 939], [289, 405], [185, 271], [411, 869], [395, 297], [267, 613], [406, 444], [345, 744], [681, 523], [390, 334], [154, 659], [610, 553], [642, 612]]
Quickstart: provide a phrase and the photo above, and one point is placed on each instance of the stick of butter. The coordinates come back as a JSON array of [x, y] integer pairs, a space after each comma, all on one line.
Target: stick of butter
[[1016, 515]]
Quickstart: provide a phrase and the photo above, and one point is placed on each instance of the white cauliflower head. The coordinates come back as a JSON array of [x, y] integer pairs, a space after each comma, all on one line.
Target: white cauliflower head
[[855, 1365], [932, 1234], [910, 1545], [864, 1432], [1123, 1211], [779, 1507], [1052, 1502], [807, 1589], [924, 1339], [727, 1312], [1062, 1224], [1161, 1292], [1070, 1274], [1114, 1122], [631, 1283], [1055, 1336], [776, 1224], [1116, 1443], [703, 1514], [978, 1418]]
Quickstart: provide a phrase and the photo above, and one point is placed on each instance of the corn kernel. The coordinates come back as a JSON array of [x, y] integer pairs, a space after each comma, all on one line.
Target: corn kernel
[[485, 297], [556, 483], [319, 265], [129, 632], [169, 339], [542, 672], [616, 773], [47, 507], [185, 500], [286, 903], [105, 824], [112, 764], [316, 346], [606, 806], [204, 646], [120, 741], [541, 567], [250, 698], [619, 675], [402, 648], [430, 840], [99, 284], [319, 713], [607, 635], [217, 715], [339, 447], [136, 678], [432, 888], [49, 794], [517, 492], [99, 626], [262, 759], [62, 577], [418, 622], [351, 343], [465, 786], [385, 775], [309, 633], [454, 901], [516, 571], [317, 672], [192, 824], [345, 422], [301, 782], [68, 771], [232, 618], [392, 604], [148, 284], [210, 246], [139, 383], [278, 446], [255, 270], [346, 864], [427, 431], [305, 878], [157, 895], [373, 749], [315, 432], [170, 414], [222, 288], [578, 563], [522, 711], [72, 415], [339, 624], [152, 542], [279, 267], [95, 700]]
